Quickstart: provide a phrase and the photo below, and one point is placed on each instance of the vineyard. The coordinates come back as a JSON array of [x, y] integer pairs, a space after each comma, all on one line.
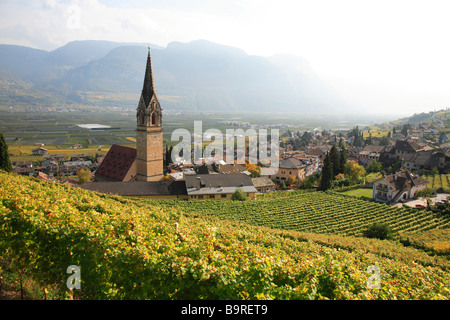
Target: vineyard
[[128, 249], [438, 181], [316, 212]]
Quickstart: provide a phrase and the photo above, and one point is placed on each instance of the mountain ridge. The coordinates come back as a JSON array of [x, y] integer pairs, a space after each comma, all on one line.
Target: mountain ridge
[[203, 75]]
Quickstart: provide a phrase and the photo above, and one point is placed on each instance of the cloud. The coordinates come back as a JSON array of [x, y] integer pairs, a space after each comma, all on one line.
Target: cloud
[[52, 23], [380, 47]]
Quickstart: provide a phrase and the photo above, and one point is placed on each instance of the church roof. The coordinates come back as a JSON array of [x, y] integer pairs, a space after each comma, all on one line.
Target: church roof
[[148, 90], [116, 163]]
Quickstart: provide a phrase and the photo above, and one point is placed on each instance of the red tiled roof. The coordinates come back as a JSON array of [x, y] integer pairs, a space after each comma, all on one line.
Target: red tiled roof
[[117, 163]]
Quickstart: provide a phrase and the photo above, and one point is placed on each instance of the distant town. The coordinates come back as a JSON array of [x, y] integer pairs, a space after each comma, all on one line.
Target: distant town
[[420, 149]]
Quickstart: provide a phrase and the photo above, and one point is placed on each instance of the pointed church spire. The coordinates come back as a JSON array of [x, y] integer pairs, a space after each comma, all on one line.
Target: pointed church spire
[[148, 89]]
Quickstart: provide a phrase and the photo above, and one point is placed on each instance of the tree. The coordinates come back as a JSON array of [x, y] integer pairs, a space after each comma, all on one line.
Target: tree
[[405, 129], [84, 175], [434, 171], [394, 167], [384, 141], [310, 181], [354, 171], [379, 230], [374, 166], [283, 185], [5, 162], [369, 139], [334, 157], [239, 195], [442, 137], [358, 135], [292, 180], [342, 158], [327, 174], [255, 171], [168, 156]]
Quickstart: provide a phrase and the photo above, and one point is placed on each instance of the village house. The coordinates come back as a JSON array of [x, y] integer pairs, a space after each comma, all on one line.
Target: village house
[[370, 153], [24, 168], [61, 170], [311, 162], [290, 167], [55, 157], [176, 176], [42, 176], [221, 168], [39, 151], [218, 186], [263, 184], [401, 185], [81, 157], [427, 160]]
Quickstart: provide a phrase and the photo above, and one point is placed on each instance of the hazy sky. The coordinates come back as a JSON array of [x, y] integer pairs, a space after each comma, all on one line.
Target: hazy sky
[[389, 56]]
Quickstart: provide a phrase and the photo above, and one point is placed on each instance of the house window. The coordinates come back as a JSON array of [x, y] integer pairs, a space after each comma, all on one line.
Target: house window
[[223, 195], [153, 119], [200, 196], [211, 196]]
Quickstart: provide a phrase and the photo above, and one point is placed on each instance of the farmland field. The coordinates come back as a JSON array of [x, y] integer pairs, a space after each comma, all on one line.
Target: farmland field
[[23, 152]]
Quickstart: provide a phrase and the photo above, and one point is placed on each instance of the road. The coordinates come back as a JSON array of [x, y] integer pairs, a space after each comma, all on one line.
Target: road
[[413, 203]]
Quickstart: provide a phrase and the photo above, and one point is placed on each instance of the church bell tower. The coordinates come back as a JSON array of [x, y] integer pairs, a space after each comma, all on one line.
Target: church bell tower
[[149, 134]]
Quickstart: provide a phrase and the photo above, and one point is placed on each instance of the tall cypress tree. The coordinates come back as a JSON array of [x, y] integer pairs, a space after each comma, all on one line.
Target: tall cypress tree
[[5, 163], [335, 160], [327, 173], [342, 158]]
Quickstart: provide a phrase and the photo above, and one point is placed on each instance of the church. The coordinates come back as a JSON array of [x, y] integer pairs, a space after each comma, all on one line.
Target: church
[[145, 163], [138, 172]]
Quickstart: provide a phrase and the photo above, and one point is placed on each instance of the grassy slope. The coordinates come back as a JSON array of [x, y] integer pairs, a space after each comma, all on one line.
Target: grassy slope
[[130, 250], [363, 192]]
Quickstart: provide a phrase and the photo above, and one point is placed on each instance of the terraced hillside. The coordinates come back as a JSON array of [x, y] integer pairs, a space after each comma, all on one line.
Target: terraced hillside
[[127, 249], [317, 212]]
